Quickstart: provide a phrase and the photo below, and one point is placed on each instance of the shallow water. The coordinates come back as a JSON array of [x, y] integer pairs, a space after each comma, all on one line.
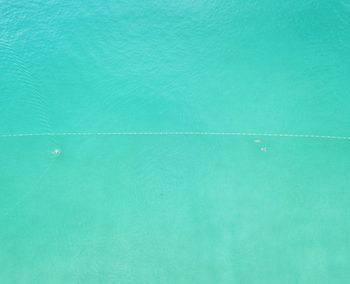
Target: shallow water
[[169, 208]]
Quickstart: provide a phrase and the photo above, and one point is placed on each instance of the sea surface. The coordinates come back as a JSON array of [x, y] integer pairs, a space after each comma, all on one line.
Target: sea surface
[[175, 141]]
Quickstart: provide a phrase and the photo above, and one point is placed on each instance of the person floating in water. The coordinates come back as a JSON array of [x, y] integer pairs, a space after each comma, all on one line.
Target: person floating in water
[[56, 152]]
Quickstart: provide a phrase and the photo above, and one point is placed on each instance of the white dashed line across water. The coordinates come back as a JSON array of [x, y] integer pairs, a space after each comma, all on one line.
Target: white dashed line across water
[[176, 133]]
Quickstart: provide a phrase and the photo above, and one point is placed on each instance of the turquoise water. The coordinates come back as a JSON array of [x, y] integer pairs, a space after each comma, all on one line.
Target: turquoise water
[[160, 207]]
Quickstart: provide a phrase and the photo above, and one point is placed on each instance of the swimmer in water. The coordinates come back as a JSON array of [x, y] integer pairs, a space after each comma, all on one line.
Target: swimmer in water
[[56, 152]]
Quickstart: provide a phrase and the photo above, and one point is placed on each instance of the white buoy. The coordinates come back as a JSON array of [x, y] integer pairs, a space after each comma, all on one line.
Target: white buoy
[[263, 149]]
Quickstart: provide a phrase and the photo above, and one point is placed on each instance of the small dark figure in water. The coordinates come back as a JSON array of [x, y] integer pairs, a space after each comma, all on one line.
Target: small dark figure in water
[[56, 152]]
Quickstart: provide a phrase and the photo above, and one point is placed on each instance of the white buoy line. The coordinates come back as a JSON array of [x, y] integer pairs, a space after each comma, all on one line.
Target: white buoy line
[[176, 133]]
